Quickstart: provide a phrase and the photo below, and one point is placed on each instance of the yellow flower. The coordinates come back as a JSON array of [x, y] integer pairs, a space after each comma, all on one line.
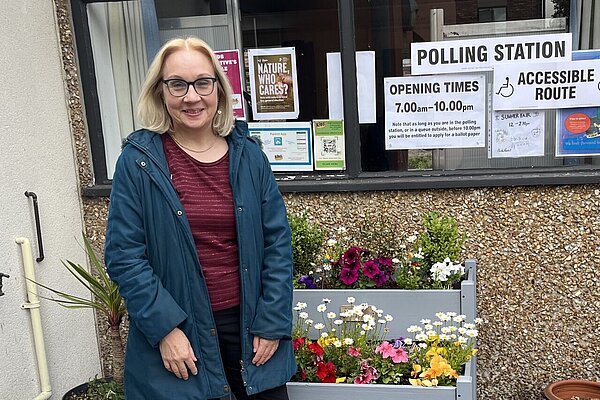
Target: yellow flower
[[423, 382], [415, 371], [326, 341], [434, 350], [438, 366], [340, 380]]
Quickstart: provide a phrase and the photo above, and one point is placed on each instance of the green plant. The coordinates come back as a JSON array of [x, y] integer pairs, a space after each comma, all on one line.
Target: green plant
[[102, 389], [440, 240], [420, 161], [307, 241], [105, 299]]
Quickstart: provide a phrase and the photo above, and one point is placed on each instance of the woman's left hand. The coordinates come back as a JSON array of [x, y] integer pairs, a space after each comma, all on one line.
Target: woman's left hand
[[263, 350]]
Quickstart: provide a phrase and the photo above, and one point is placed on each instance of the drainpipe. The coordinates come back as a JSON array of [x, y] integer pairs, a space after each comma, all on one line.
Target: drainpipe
[[33, 305]]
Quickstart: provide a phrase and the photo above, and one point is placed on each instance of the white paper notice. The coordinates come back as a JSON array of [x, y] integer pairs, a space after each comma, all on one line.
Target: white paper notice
[[365, 69], [435, 112], [518, 134]]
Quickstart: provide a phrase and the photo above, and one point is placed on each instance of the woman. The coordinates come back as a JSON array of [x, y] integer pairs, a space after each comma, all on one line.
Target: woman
[[198, 242]]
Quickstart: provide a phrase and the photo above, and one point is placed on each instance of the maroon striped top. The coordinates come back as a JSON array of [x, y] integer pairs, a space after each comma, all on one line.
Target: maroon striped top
[[205, 193]]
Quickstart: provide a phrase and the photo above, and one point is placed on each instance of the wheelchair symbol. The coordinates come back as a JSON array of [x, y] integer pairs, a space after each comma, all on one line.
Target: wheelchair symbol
[[507, 89]]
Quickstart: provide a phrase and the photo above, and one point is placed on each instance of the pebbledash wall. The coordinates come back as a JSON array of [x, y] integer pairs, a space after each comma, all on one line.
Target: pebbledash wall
[[537, 248]]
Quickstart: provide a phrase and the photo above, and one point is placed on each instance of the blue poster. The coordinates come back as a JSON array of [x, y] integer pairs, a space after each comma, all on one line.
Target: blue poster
[[578, 129]]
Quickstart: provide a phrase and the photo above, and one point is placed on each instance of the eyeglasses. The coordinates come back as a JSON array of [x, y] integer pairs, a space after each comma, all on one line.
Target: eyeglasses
[[180, 87]]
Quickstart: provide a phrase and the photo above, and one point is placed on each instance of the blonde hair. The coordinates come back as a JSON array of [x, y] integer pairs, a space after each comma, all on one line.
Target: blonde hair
[[151, 109]]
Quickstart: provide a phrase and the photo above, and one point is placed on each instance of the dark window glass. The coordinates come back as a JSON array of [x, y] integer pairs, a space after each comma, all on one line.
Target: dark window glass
[[311, 27]]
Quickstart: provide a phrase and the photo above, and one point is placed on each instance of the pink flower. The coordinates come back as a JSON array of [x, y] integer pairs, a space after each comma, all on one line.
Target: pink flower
[[353, 352], [360, 379], [367, 375], [387, 350]]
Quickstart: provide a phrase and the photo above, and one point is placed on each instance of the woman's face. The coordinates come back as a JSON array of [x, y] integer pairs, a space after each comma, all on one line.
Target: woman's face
[[191, 113]]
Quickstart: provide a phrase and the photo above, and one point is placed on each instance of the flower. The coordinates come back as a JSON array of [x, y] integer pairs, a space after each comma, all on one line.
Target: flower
[[419, 259], [326, 372], [354, 349]]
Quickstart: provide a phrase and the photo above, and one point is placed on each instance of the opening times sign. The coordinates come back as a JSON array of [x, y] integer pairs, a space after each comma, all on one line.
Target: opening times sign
[[434, 112]]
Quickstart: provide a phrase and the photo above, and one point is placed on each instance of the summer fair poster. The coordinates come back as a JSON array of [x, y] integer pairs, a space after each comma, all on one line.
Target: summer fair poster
[[230, 62], [273, 83]]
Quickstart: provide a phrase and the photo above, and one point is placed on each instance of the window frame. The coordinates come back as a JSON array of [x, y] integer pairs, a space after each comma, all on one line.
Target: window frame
[[353, 178]]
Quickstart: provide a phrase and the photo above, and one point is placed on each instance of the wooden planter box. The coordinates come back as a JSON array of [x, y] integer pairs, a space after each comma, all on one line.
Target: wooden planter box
[[407, 307]]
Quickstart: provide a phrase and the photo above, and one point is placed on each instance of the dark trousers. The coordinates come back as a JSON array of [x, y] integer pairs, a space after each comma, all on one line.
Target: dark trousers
[[228, 329]]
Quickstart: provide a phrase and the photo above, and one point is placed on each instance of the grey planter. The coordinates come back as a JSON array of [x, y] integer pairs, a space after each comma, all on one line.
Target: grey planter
[[464, 390], [407, 307]]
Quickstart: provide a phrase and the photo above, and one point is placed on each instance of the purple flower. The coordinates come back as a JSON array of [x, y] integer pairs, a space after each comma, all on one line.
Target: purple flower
[[371, 269], [379, 279], [354, 266], [308, 281], [353, 254], [348, 276], [385, 261], [399, 342]]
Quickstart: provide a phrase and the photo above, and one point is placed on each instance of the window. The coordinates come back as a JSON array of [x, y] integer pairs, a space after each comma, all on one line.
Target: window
[[316, 28], [492, 14]]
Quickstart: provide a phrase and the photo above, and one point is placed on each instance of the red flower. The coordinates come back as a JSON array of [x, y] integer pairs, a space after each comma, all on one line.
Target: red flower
[[326, 372], [297, 343], [316, 349]]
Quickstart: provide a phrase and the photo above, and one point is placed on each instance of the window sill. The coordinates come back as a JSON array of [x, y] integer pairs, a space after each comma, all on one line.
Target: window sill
[[391, 180]]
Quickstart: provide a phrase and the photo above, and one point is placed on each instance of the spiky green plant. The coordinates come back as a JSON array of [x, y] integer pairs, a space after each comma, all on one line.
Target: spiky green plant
[[105, 299]]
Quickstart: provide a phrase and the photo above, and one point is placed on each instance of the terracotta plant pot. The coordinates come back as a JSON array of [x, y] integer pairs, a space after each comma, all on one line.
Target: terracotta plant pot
[[573, 388]]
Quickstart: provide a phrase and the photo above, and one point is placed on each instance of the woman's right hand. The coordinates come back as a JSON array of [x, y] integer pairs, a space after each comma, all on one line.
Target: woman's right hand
[[177, 354]]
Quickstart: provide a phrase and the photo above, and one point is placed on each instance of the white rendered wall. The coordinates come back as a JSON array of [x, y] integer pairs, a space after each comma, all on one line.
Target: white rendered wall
[[36, 154]]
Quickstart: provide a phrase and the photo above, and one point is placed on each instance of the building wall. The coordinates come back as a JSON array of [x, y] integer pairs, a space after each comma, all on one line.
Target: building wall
[[36, 154], [537, 249]]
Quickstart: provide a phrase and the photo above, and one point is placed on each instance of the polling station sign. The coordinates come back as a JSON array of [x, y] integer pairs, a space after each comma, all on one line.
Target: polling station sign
[[435, 112], [484, 53], [547, 85]]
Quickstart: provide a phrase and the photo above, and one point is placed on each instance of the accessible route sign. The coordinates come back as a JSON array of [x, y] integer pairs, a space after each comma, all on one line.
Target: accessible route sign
[[486, 53], [434, 112], [547, 85]]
